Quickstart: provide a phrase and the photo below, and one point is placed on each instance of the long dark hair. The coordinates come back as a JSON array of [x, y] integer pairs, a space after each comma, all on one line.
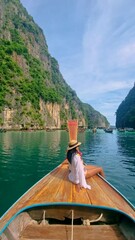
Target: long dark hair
[[70, 154]]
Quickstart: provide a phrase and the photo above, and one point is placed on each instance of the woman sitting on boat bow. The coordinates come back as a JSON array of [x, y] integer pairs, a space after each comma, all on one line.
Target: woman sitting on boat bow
[[78, 172]]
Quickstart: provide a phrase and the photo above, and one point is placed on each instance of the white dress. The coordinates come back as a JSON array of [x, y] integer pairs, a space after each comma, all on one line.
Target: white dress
[[77, 174]]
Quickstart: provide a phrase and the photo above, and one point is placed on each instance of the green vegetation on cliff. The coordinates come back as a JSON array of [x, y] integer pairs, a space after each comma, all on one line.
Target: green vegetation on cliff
[[30, 78], [94, 118], [31, 87], [125, 115]]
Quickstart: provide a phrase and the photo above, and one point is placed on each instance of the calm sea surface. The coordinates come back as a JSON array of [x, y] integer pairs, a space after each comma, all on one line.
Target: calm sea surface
[[25, 157]]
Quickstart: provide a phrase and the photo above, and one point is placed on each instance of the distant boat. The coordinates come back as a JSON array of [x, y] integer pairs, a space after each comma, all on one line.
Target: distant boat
[[121, 130], [81, 129], [130, 129], [94, 130], [108, 130], [54, 209]]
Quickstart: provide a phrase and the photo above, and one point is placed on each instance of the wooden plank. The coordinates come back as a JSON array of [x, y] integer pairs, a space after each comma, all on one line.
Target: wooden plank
[[55, 187], [81, 196], [115, 197], [98, 196], [25, 200], [48, 192], [102, 232], [64, 192]]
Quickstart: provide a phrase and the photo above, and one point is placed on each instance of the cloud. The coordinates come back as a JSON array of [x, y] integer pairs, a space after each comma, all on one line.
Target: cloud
[[96, 89], [107, 33], [94, 43], [127, 54], [105, 50]]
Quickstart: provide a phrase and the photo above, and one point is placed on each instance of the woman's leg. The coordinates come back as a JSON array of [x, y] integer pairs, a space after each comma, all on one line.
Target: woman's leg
[[93, 170]]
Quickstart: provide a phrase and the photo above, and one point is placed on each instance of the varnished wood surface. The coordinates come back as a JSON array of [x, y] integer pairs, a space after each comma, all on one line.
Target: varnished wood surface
[[55, 187], [60, 232]]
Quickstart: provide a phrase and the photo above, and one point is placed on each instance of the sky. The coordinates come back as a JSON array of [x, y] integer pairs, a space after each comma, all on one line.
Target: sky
[[94, 44]]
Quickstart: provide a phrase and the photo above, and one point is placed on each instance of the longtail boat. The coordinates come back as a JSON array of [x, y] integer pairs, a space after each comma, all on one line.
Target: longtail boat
[[54, 209], [108, 130]]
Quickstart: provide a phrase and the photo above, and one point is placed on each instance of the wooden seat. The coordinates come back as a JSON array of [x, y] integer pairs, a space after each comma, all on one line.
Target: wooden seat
[[63, 232]]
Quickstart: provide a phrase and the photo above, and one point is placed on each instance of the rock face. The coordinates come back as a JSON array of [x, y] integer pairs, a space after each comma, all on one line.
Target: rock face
[[8, 117], [33, 92], [51, 114], [125, 115]]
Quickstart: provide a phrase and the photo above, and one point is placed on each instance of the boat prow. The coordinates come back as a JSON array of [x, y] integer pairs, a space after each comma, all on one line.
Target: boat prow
[[54, 209], [63, 220]]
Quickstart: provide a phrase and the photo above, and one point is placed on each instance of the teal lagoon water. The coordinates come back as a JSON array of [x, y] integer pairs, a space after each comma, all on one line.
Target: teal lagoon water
[[25, 157]]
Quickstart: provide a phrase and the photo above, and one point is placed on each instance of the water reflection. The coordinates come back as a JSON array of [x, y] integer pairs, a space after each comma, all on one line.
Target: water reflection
[[116, 154], [25, 157]]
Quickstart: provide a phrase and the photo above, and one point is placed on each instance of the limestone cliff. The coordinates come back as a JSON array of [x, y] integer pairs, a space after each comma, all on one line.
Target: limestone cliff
[[125, 115], [33, 92]]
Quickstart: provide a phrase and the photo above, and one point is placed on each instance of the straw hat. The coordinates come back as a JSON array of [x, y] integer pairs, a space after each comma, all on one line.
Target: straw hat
[[73, 144]]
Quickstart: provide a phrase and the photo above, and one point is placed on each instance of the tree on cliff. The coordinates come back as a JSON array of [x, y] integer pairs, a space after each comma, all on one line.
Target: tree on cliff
[[125, 115], [30, 78]]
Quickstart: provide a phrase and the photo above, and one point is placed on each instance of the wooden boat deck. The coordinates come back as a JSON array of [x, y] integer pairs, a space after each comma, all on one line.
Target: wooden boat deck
[[55, 187], [60, 232]]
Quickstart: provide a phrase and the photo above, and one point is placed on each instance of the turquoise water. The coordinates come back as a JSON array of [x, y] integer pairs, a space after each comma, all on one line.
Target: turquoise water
[[25, 157]]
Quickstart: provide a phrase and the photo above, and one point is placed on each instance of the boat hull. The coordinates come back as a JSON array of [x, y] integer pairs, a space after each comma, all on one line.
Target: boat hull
[[54, 196], [67, 219]]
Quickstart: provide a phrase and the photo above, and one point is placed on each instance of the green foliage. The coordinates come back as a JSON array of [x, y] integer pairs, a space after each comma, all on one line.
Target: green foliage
[[8, 71], [12, 76], [26, 25], [0, 121], [125, 115], [93, 117], [23, 78], [62, 88]]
